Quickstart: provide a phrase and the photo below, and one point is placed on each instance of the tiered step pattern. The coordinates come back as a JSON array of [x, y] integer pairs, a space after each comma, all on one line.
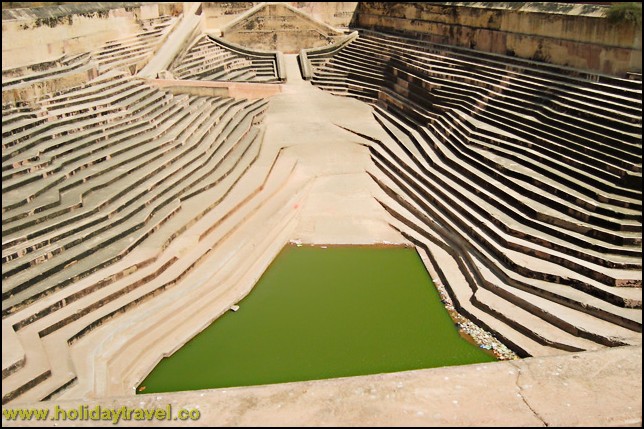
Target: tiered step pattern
[[29, 82], [42, 71], [102, 184], [519, 181], [128, 54], [131, 53], [212, 59]]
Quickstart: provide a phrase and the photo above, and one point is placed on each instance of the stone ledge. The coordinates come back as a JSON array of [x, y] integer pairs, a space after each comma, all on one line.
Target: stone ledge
[[243, 90], [602, 388]]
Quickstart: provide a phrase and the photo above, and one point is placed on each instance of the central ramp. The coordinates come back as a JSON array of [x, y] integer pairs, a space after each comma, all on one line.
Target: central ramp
[[340, 208]]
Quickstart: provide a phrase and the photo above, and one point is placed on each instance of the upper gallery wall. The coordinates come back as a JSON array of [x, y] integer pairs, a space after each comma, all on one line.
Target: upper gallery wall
[[37, 35], [567, 34], [575, 35]]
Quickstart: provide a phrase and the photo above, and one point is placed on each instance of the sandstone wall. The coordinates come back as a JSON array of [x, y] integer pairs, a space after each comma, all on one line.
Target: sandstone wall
[[572, 35], [219, 14], [43, 34], [277, 26], [336, 14]]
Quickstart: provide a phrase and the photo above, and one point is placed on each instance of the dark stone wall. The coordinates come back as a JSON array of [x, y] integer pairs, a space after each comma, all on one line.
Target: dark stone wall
[[575, 35]]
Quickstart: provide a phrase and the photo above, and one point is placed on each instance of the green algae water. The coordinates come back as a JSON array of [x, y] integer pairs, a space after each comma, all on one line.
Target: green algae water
[[321, 313]]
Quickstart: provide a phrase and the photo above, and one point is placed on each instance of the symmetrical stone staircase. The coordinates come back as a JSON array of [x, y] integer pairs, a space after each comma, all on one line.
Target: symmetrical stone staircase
[[209, 58], [519, 181]]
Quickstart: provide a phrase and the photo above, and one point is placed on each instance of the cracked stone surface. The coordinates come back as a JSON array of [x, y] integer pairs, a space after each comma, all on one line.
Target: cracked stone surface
[[579, 391], [602, 388]]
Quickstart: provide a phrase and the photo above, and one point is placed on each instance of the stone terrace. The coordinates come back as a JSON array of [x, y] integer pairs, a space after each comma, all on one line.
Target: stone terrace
[[213, 59], [132, 217], [101, 177], [520, 181]]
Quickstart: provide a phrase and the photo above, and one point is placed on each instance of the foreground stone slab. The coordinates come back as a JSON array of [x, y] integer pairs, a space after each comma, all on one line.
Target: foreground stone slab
[[602, 388]]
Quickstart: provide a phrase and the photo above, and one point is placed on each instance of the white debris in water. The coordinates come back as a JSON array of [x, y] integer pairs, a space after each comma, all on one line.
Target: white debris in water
[[480, 336]]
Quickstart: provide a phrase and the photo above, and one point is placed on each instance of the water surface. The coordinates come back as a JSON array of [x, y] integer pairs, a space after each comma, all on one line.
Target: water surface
[[323, 313]]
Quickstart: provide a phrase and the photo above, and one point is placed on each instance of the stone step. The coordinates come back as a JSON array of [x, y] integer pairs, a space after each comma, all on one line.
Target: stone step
[[66, 97], [470, 294], [62, 61], [518, 150], [37, 369], [118, 279], [20, 124], [444, 261], [91, 98], [94, 198], [14, 198], [70, 240], [46, 158], [130, 219], [44, 223], [146, 33], [499, 190], [188, 70], [129, 64], [233, 267], [122, 52], [500, 70], [101, 293], [208, 60], [145, 40], [48, 200], [566, 276], [13, 354], [601, 137], [499, 123], [454, 126], [78, 63], [212, 250], [612, 87], [570, 297], [22, 290], [141, 142], [69, 125], [444, 96]]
